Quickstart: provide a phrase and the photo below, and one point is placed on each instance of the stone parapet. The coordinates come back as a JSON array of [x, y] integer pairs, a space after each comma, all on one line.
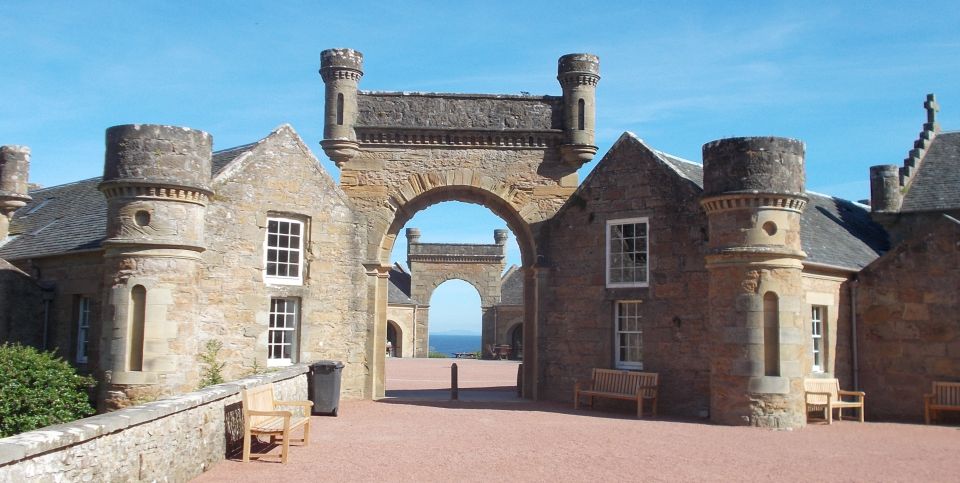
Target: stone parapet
[[173, 439]]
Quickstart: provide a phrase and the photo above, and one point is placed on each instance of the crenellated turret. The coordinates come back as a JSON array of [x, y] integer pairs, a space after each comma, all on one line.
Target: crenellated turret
[[14, 170], [341, 70], [157, 182], [578, 75], [753, 194], [886, 193]]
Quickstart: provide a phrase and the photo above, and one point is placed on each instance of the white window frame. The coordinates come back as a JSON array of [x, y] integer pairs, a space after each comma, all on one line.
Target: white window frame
[[83, 329], [619, 363], [610, 256], [280, 251], [818, 319], [283, 325]]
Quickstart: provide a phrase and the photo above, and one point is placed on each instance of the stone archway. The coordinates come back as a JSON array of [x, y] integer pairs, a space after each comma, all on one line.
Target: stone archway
[[480, 265], [401, 152], [395, 339]]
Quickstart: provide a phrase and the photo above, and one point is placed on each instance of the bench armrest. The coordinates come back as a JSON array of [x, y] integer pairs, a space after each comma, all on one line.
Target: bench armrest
[[294, 403], [282, 414], [929, 396], [851, 393], [585, 384]]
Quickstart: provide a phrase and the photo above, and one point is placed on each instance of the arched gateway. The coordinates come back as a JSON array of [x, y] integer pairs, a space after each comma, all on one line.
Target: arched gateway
[[400, 153]]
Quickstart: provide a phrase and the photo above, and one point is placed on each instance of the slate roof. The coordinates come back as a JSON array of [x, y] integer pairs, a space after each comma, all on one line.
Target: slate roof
[[398, 290], [223, 158], [833, 231], [511, 287], [59, 219], [72, 216], [936, 185]]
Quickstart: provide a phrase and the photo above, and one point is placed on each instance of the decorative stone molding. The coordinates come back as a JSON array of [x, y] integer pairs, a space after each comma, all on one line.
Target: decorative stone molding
[[156, 192], [782, 201], [373, 136]]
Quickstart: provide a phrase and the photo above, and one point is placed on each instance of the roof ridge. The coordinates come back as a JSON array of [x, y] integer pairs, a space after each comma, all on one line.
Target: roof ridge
[[37, 190]]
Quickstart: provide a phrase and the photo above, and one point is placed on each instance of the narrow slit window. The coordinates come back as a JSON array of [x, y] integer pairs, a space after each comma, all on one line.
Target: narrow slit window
[[771, 334], [138, 314], [340, 109], [581, 114]]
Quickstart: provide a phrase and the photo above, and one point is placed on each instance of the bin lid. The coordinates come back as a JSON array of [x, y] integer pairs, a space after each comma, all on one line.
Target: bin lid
[[326, 364]]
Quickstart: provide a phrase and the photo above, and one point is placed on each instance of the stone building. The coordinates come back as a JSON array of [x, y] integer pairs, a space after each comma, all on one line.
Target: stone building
[[727, 278]]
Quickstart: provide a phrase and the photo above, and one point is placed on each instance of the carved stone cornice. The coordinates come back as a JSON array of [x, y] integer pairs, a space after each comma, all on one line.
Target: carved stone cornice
[[147, 190], [455, 258], [329, 74], [572, 80], [371, 136], [743, 201]]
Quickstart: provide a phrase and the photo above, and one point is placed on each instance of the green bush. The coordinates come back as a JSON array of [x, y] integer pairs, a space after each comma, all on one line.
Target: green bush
[[38, 389], [438, 355]]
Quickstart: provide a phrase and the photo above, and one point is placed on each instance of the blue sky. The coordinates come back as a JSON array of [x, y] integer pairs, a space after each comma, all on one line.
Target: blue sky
[[848, 78]]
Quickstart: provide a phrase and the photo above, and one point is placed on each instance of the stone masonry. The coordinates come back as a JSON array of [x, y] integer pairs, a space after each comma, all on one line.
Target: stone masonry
[[432, 264]]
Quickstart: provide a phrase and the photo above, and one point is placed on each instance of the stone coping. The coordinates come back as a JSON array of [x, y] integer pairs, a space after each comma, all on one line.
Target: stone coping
[[32, 443]]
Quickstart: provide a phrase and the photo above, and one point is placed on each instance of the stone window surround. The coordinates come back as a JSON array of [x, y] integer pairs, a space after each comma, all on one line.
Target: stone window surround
[[301, 265], [645, 282], [830, 314], [618, 363], [817, 320], [82, 312], [292, 311]]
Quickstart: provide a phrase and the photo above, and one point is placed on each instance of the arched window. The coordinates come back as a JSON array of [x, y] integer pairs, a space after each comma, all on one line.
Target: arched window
[[138, 315], [771, 334], [581, 114], [340, 109]]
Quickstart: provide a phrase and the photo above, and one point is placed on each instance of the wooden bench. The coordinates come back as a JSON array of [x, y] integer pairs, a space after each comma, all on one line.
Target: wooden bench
[[825, 395], [617, 384], [944, 397], [261, 417]]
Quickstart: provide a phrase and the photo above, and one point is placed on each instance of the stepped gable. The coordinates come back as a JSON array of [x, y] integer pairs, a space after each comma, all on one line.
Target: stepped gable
[[511, 287], [833, 231], [398, 290], [936, 184]]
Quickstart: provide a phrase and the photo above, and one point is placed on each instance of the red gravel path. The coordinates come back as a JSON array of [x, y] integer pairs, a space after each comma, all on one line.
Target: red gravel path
[[499, 439]]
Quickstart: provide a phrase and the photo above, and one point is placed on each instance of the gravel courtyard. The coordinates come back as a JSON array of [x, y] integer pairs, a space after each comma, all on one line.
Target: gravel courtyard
[[491, 436]]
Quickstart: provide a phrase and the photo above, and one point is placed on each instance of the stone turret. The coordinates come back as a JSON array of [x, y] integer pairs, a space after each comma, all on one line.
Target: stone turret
[[156, 180], [14, 170], [500, 236], [578, 75], [754, 196], [341, 70], [886, 194]]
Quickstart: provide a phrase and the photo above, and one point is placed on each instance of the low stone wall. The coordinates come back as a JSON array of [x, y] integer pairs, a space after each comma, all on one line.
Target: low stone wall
[[172, 439]]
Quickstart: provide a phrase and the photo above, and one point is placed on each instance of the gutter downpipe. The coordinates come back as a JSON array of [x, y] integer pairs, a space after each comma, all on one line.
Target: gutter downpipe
[[853, 328]]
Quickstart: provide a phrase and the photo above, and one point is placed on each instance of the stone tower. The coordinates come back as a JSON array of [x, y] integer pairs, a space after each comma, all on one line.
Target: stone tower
[[14, 168], [753, 194], [341, 70], [156, 180], [578, 75]]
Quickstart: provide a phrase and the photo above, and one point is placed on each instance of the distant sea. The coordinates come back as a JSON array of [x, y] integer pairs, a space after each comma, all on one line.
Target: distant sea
[[450, 344]]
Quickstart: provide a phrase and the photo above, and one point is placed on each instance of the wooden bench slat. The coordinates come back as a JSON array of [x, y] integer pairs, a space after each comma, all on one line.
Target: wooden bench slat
[[945, 396], [261, 416], [619, 384]]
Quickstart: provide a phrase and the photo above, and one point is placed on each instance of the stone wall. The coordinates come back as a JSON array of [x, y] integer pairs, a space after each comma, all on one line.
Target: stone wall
[[404, 316], [577, 332], [173, 439], [281, 177], [831, 289], [22, 303], [909, 321], [69, 277], [473, 111]]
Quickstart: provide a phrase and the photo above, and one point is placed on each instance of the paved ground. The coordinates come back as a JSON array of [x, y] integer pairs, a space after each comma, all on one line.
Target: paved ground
[[494, 437]]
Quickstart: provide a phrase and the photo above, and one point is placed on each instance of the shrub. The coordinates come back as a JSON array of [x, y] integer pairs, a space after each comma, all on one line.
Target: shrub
[[38, 389], [213, 372], [438, 355]]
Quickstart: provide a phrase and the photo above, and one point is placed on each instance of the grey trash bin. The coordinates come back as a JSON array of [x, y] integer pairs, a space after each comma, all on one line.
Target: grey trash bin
[[323, 386]]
